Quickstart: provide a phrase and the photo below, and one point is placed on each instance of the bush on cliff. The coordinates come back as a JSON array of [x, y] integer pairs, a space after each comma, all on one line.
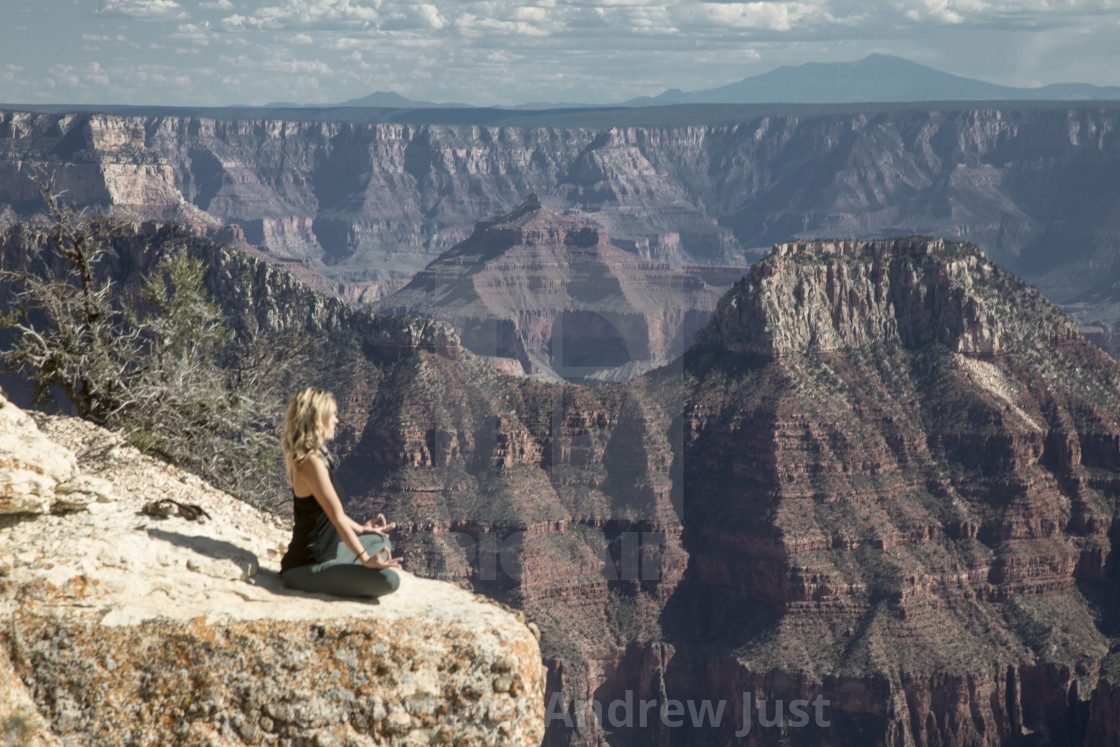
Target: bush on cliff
[[158, 366]]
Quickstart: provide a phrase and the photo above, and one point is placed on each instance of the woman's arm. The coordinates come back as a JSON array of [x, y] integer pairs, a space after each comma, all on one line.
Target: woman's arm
[[318, 479]]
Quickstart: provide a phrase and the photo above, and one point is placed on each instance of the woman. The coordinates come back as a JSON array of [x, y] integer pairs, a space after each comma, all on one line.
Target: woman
[[329, 552]]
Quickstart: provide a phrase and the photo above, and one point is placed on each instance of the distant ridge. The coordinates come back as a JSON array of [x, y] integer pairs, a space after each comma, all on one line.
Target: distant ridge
[[875, 78], [393, 100]]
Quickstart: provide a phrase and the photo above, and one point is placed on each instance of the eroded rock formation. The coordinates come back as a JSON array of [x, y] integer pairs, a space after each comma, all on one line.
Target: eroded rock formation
[[552, 293], [885, 477], [892, 489], [372, 204]]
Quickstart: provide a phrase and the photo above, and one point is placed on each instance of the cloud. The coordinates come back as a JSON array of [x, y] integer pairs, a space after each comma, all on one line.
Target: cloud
[[1007, 14], [71, 75], [102, 37], [195, 33], [277, 64], [143, 10], [95, 75], [306, 14], [768, 16], [431, 16], [216, 5]]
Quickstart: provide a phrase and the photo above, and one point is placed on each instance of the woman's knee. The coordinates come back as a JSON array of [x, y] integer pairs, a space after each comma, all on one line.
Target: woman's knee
[[392, 580], [299, 578]]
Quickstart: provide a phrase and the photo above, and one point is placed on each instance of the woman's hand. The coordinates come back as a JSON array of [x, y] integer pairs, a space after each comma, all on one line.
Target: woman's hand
[[376, 525], [381, 560]]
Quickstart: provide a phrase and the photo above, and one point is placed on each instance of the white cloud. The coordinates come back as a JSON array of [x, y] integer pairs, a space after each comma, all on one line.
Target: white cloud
[[304, 14], [430, 14], [143, 10], [1036, 14], [533, 14], [75, 77], [278, 64], [96, 75], [155, 76], [195, 33], [216, 5], [758, 15]]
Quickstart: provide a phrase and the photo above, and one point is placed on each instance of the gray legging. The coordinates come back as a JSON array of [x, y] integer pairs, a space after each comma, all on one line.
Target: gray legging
[[342, 575]]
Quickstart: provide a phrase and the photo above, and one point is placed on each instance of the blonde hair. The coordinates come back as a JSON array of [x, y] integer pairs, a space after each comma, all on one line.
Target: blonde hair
[[305, 428]]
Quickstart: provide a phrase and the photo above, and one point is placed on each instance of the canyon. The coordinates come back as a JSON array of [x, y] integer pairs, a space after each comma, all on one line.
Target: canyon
[[883, 478], [368, 205], [883, 475]]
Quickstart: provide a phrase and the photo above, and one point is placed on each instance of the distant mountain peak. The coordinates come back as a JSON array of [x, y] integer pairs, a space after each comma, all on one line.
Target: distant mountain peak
[[877, 77], [394, 100]]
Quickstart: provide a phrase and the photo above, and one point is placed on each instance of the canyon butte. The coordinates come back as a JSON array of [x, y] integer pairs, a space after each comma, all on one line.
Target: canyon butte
[[551, 294]]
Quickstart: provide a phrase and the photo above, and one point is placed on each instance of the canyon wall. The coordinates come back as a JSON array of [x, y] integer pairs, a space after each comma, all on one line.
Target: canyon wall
[[371, 204]]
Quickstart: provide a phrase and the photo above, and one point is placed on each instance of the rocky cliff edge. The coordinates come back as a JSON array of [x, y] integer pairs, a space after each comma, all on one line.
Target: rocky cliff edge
[[124, 628]]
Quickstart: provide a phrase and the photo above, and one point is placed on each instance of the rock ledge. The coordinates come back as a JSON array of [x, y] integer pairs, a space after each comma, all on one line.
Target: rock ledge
[[126, 628]]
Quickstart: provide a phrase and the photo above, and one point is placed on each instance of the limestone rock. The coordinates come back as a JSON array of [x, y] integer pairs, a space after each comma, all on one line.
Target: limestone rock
[[20, 720], [31, 465], [131, 629], [99, 489]]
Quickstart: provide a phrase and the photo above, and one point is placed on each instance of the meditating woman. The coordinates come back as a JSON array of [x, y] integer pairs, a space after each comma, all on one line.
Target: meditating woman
[[330, 552]]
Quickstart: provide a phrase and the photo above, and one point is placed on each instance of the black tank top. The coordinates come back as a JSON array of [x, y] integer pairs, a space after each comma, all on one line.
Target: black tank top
[[313, 535]]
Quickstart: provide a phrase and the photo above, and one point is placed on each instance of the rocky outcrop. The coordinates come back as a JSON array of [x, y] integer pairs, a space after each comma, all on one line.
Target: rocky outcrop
[[551, 292], [882, 481], [375, 203], [126, 628]]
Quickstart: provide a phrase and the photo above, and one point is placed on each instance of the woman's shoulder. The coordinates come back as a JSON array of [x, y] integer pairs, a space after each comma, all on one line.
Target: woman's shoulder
[[312, 465]]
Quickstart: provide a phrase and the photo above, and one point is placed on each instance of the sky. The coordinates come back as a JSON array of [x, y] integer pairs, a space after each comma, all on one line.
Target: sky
[[505, 52]]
